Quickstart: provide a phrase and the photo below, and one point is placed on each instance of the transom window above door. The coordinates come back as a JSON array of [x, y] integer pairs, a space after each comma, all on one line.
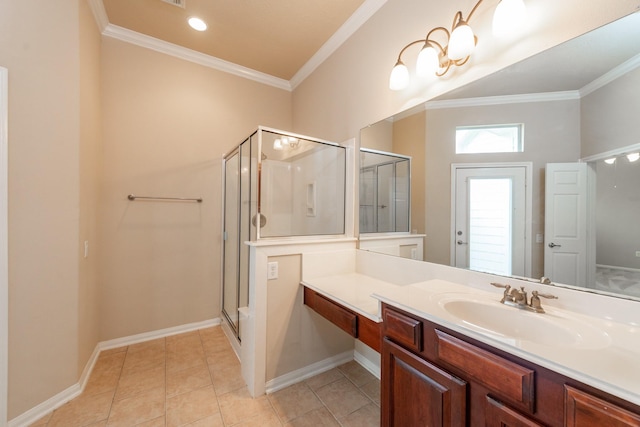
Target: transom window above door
[[490, 139]]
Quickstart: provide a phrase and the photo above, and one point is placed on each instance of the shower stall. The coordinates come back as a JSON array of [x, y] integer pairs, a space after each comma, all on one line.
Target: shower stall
[[276, 185], [385, 192]]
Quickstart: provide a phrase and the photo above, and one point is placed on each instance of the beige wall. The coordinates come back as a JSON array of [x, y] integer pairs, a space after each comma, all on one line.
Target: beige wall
[[45, 136], [406, 132], [297, 336], [350, 90], [90, 176], [378, 137], [167, 124], [610, 116]]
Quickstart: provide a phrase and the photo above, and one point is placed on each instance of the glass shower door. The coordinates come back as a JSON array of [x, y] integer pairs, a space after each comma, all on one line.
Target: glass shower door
[[231, 240], [238, 189]]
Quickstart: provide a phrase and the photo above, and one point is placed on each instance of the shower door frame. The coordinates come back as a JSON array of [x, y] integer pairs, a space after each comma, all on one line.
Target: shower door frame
[[243, 220], [235, 326]]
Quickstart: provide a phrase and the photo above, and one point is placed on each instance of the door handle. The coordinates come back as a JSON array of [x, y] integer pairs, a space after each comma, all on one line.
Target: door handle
[[553, 245], [460, 242]]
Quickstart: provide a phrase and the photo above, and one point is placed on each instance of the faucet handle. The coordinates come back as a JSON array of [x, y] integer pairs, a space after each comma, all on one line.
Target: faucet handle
[[538, 294], [535, 301], [500, 285], [506, 296]]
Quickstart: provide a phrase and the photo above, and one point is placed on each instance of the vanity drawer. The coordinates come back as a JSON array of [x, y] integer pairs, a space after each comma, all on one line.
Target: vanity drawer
[[585, 409], [506, 379], [336, 314], [403, 329]]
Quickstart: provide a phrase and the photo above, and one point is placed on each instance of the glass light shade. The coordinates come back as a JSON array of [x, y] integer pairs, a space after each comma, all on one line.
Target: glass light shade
[[197, 24], [277, 145], [428, 61], [610, 161], [462, 42], [633, 157], [399, 78], [509, 17]]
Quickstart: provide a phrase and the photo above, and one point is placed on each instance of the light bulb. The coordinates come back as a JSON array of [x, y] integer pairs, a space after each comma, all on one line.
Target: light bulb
[[399, 78], [610, 161], [197, 24], [632, 157], [277, 145], [462, 42], [428, 61], [509, 17]]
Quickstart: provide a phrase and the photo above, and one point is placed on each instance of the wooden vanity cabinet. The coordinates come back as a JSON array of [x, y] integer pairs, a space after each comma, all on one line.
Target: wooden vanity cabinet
[[356, 325], [411, 382], [429, 373]]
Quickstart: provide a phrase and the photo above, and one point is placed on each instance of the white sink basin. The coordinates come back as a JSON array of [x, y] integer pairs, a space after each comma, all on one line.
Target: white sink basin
[[515, 325]]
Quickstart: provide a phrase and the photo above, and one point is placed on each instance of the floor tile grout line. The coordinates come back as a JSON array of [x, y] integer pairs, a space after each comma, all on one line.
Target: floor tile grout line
[[325, 405], [166, 404], [113, 398]]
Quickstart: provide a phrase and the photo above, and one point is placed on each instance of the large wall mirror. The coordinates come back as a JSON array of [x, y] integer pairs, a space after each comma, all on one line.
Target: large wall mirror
[[576, 106]]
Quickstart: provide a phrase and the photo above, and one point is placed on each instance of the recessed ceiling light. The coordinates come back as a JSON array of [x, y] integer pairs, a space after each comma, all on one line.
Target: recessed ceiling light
[[197, 24]]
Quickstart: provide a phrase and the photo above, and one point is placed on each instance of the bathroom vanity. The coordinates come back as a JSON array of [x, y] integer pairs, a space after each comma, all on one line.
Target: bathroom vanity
[[452, 354], [432, 375]]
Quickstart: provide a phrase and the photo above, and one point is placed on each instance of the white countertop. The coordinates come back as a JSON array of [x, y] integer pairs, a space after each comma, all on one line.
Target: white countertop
[[605, 354], [353, 291]]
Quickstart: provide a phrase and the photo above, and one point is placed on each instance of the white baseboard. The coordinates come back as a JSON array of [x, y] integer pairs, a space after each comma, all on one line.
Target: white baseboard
[[307, 372], [367, 363], [161, 333], [39, 411]]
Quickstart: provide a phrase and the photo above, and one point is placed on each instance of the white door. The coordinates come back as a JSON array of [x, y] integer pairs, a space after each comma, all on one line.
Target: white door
[[565, 252], [490, 219]]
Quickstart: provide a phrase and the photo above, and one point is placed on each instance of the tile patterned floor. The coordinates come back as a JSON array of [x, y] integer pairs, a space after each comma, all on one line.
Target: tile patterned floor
[[194, 379]]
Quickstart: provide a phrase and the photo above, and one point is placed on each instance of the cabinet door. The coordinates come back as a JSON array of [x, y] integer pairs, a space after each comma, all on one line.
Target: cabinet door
[[499, 415], [417, 393], [582, 409]]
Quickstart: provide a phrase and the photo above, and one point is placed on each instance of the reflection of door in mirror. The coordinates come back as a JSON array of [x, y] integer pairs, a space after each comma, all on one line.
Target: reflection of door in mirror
[[489, 215], [565, 252]]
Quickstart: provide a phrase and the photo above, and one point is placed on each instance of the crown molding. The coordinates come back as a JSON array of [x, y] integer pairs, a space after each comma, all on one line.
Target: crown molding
[[502, 100], [608, 77], [99, 14], [612, 153], [171, 49], [351, 25]]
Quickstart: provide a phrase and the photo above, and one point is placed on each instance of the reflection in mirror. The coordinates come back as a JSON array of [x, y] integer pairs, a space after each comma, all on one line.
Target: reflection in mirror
[[617, 231], [574, 110], [384, 192]]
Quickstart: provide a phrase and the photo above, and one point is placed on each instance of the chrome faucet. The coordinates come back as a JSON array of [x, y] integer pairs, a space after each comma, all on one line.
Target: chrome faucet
[[518, 298]]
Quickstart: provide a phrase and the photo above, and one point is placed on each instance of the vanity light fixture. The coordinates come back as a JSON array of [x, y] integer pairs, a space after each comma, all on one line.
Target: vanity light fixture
[[633, 157], [610, 161], [197, 24], [438, 58]]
